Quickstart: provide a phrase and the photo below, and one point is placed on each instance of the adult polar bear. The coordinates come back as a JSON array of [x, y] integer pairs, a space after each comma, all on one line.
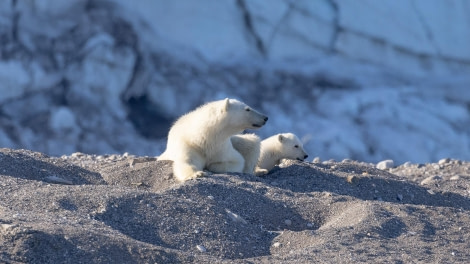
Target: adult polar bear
[[201, 139]]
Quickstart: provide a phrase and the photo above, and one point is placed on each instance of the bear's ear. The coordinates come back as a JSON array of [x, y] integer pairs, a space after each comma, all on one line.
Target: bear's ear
[[280, 137], [226, 104]]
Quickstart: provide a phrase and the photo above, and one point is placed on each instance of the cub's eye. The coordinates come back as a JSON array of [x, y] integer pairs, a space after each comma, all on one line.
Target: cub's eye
[[247, 109], [296, 146]]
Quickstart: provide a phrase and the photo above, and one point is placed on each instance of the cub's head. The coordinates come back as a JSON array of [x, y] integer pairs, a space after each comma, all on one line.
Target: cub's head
[[241, 116], [291, 147]]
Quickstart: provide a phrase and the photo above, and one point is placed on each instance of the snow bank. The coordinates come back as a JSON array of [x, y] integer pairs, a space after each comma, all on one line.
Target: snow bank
[[369, 80]]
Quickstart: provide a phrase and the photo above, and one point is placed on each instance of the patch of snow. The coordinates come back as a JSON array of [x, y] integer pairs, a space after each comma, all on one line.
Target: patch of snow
[[212, 28], [14, 78], [62, 119], [368, 81]]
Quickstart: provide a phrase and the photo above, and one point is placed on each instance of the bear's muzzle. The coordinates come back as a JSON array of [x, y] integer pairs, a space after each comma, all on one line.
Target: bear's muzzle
[[265, 119]]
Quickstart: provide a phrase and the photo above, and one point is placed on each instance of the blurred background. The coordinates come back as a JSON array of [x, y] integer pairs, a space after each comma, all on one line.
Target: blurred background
[[366, 80]]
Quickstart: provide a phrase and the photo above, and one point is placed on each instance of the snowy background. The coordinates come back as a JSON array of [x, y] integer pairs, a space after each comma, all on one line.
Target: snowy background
[[366, 80]]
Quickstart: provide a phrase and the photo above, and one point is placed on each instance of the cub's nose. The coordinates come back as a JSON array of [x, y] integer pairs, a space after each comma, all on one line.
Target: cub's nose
[[306, 156], [265, 119]]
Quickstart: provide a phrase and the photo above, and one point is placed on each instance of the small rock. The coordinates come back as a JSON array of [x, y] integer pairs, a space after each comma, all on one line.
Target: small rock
[[352, 179], [444, 161], [137, 183], [77, 155], [455, 178], [430, 179], [6, 227], [201, 248], [309, 225], [55, 179], [385, 164], [134, 161], [288, 222], [346, 160], [210, 197], [316, 160], [399, 197], [407, 164], [235, 217], [277, 244]]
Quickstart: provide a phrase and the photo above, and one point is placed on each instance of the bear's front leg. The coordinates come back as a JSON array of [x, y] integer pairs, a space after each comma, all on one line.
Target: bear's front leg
[[230, 161], [189, 166], [184, 171]]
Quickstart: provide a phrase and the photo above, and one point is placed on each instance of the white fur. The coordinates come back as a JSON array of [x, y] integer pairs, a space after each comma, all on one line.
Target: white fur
[[249, 146], [278, 147], [201, 139]]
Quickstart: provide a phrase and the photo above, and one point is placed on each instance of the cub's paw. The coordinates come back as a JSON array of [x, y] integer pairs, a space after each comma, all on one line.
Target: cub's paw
[[261, 172], [198, 174]]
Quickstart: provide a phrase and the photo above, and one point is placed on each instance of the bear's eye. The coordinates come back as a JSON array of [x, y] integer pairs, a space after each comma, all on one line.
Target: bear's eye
[[247, 109], [296, 146]]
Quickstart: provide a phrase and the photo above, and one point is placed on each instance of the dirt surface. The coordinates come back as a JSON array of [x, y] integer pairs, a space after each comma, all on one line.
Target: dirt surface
[[126, 209]]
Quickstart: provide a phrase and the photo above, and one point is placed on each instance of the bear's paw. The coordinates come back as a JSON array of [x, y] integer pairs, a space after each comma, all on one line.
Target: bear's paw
[[198, 174], [260, 172]]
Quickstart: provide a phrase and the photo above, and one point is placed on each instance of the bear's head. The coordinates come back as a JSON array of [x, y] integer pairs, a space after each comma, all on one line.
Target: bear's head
[[291, 147], [240, 116]]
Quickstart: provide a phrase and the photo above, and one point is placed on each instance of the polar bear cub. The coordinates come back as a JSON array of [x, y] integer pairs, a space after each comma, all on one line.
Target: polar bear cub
[[201, 139], [278, 147]]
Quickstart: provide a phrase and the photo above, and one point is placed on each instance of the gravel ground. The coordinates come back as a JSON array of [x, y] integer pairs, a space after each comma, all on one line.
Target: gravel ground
[[127, 209]]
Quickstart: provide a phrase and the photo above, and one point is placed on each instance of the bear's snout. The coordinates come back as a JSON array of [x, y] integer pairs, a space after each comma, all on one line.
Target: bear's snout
[[265, 119], [300, 159], [262, 123]]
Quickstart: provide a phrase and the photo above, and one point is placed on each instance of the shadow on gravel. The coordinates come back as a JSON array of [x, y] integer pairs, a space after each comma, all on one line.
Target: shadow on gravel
[[24, 165], [152, 175], [229, 222], [375, 185], [39, 247]]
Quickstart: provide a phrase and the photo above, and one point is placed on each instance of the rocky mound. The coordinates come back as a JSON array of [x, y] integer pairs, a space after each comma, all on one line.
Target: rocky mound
[[126, 209]]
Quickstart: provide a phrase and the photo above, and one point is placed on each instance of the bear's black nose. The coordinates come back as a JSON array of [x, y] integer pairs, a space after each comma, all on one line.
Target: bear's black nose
[[265, 119], [306, 156]]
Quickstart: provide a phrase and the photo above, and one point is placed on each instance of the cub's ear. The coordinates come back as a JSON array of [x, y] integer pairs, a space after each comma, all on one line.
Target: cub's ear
[[280, 137], [226, 103]]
